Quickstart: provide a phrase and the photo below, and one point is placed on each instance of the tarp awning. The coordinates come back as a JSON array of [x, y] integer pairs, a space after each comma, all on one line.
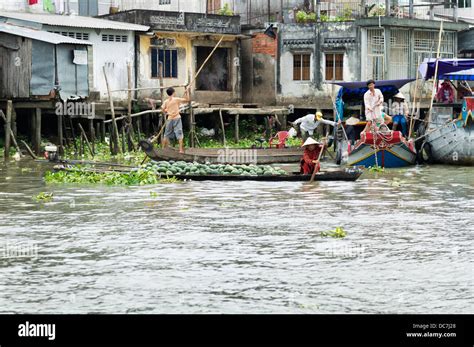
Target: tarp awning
[[363, 84], [464, 75], [427, 68]]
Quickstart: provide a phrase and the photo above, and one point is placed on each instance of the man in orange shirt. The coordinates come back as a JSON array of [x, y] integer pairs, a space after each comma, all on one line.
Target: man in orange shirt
[[174, 126]]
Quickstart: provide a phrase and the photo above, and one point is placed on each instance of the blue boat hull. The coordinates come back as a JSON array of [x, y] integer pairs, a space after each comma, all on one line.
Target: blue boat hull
[[397, 155]]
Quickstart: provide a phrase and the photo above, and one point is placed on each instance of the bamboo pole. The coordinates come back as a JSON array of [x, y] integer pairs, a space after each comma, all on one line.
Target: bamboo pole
[[84, 139], [148, 88], [237, 139], [207, 59], [129, 103], [28, 149], [222, 125], [414, 100], [435, 83], [112, 110]]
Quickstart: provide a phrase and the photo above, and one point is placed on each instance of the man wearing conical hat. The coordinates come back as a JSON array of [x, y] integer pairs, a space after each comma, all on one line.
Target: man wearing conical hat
[[310, 159], [400, 113], [310, 122]]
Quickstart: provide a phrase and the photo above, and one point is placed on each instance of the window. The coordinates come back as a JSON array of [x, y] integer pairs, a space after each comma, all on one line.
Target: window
[[213, 6], [166, 57], [165, 2], [78, 36], [301, 67], [464, 3], [114, 38], [334, 66]]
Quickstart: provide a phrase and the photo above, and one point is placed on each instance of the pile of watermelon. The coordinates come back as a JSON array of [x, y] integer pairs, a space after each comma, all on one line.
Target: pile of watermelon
[[171, 168]]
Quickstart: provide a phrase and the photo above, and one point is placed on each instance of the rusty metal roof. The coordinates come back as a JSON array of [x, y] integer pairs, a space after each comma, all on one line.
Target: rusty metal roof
[[74, 21]]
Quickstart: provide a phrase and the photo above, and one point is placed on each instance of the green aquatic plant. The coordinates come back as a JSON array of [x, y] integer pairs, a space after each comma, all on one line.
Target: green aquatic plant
[[43, 197], [338, 233], [83, 176], [376, 169]]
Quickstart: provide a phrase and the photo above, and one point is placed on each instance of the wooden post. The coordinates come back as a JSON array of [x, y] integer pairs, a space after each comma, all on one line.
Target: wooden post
[[102, 132], [14, 127], [222, 125], [97, 131], [237, 128], [7, 128], [37, 131], [139, 128], [60, 134], [112, 110], [91, 134], [130, 127], [124, 149]]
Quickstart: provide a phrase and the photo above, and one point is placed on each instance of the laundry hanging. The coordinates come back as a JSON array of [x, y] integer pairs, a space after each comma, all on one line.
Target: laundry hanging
[[48, 6], [59, 6]]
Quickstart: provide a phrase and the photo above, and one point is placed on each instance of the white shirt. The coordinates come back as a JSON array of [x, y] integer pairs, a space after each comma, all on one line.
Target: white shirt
[[373, 104], [308, 123]]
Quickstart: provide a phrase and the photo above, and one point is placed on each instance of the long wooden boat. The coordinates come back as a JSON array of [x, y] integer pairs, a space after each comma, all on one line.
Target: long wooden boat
[[348, 174], [224, 155], [338, 175]]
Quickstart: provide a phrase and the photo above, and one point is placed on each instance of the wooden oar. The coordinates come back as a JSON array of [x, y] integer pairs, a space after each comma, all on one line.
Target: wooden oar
[[317, 166]]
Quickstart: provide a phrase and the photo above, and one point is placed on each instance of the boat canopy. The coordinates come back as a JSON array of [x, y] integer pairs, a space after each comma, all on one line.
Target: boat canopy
[[445, 66], [464, 75], [352, 93]]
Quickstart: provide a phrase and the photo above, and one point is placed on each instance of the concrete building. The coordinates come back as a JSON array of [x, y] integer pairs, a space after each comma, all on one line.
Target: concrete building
[[113, 45], [179, 44]]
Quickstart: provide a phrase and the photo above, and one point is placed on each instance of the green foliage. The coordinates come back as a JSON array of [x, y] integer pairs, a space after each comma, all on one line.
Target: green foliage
[[225, 11], [83, 176], [338, 233], [43, 197], [376, 169], [301, 16], [311, 18]]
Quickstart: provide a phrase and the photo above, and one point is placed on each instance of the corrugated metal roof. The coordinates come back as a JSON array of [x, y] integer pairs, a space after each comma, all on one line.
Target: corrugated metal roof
[[40, 35], [73, 21]]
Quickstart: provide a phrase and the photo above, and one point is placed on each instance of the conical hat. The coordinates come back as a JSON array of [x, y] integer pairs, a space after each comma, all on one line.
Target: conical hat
[[399, 96], [310, 141], [352, 121]]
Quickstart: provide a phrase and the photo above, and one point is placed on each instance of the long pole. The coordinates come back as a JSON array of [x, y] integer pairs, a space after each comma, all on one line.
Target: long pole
[[435, 83], [197, 74], [414, 99]]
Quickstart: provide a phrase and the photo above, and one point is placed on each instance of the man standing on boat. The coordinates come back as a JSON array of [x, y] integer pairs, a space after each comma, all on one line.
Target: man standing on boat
[[310, 122], [174, 126], [373, 101]]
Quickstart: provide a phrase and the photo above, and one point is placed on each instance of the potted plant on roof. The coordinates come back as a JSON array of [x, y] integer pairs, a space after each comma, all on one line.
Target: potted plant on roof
[[301, 16]]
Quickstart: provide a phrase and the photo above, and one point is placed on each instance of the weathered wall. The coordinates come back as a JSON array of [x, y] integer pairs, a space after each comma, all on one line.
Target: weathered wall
[[113, 55], [259, 56], [185, 44], [339, 37], [15, 66]]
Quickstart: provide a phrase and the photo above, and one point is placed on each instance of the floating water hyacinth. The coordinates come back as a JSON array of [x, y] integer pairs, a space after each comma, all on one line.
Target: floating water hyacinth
[[338, 233], [44, 197]]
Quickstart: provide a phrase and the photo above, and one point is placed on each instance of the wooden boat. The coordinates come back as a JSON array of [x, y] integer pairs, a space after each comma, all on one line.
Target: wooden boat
[[351, 174], [348, 174], [391, 149], [225, 155]]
